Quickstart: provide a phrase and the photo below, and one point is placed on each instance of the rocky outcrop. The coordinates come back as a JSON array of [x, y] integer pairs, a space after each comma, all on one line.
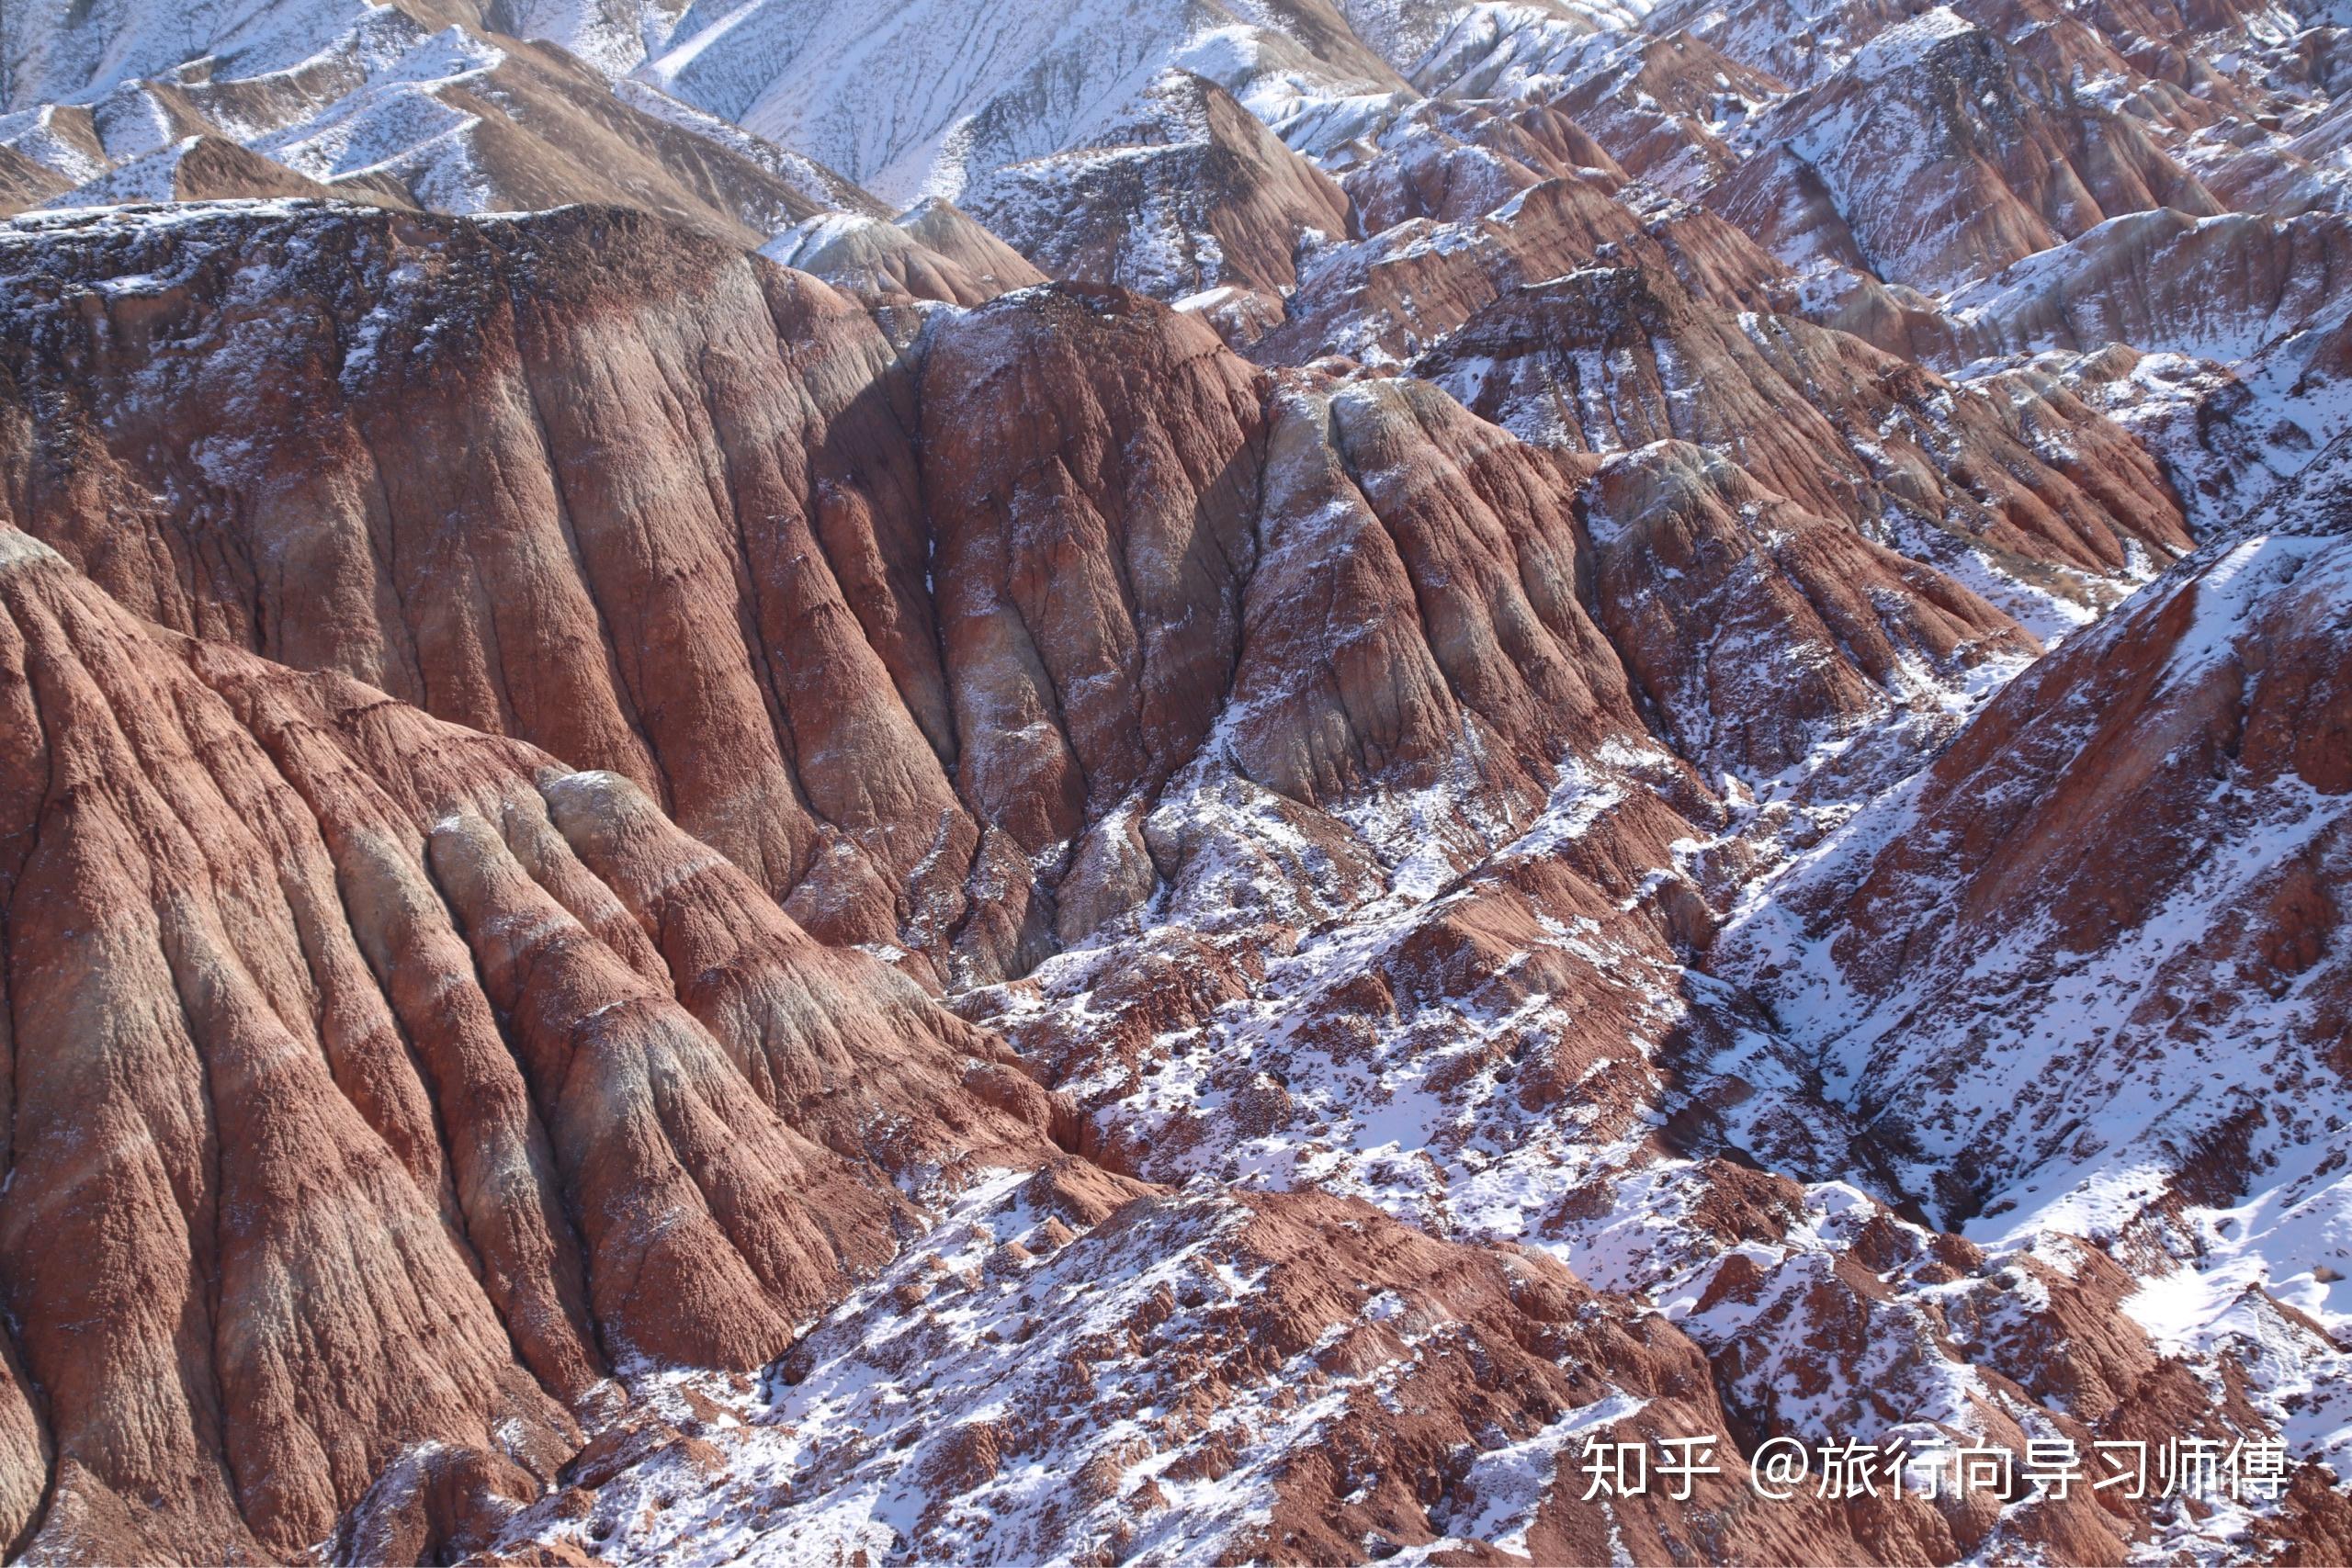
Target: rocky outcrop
[[1356, 1381], [1665, 108], [1089, 565], [2221, 289], [1428, 797], [1755, 629], [1449, 161], [2178, 772], [1392, 295], [205, 1055], [949, 233], [201, 168], [625, 618], [936, 639]]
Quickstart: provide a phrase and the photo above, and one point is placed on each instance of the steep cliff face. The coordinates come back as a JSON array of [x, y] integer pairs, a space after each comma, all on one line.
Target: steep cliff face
[[1460, 728], [2012, 480], [564, 1095], [894, 636], [624, 616], [2220, 288], [384, 1083], [932, 252], [1936, 154], [2087, 977]]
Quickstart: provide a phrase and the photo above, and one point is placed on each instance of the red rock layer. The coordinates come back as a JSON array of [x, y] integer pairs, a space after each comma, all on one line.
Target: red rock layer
[[1751, 625], [2181, 772], [1387, 296], [530, 126], [1447, 161], [1940, 155], [1660, 112], [913, 638], [1611, 359], [932, 253], [1366, 1386], [1421, 610], [682, 618], [2222, 288], [360, 1106]]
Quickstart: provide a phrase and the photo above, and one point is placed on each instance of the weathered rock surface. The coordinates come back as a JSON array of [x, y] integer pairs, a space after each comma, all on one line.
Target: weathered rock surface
[[932, 252], [2218, 287], [1664, 107], [813, 619], [1937, 154], [1186, 192], [1451, 162], [413, 106], [1358, 1382], [1469, 788], [2178, 772], [203, 167], [625, 617], [2016, 470], [431, 1083], [1387, 296]]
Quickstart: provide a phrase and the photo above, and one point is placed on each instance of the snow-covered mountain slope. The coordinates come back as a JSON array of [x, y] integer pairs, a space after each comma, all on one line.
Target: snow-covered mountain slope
[[381, 103], [1944, 154], [1345, 793], [919, 98], [2086, 974], [1187, 192], [77, 53], [929, 251]]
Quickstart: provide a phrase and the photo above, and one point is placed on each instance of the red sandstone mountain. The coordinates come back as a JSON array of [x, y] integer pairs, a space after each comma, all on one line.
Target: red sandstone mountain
[[1449, 731], [434, 1082], [2179, 771], [965, 722], [1139, 755], [1222, 679], [1936, 154], [932, 252]]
